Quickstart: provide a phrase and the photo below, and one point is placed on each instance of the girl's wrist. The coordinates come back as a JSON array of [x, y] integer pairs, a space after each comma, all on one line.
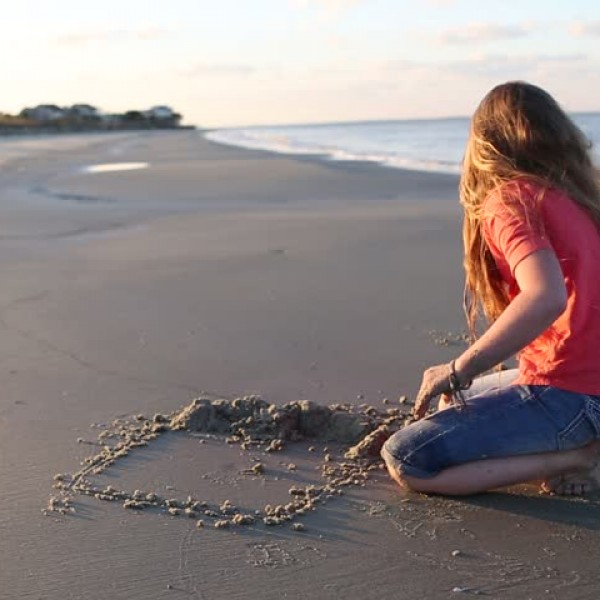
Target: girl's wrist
[[456, 379], [465, 370]]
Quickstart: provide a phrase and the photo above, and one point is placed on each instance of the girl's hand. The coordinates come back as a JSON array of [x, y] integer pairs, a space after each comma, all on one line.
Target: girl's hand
[[436, 381], [445, 401]]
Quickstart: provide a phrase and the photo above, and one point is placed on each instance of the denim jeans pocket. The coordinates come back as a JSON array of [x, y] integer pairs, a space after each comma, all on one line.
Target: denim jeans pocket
[[579, 432]]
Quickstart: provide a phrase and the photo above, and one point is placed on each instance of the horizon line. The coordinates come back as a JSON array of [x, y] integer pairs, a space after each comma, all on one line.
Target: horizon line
[[362, 121]]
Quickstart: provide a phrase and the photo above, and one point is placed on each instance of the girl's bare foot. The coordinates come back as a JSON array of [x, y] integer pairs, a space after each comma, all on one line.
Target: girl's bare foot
[[571, 485], [579, 483]]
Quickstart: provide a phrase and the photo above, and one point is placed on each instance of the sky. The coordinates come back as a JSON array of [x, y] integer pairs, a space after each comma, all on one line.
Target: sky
[[246, 62]]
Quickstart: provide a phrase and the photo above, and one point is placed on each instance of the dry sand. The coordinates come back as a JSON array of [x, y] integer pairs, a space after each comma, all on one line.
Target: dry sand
[[227, 273]]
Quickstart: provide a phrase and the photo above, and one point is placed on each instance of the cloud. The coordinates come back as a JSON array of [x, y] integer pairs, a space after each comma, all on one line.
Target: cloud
[[151, 32], [585, 29], [110, 34], [488, 69], [219, 70], [514, 67], [441, 3], [482, 32], [330, 7], [419, 88], [88, 37]]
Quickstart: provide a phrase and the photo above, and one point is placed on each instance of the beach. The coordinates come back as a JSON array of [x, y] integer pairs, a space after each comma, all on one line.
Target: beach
[[229, 272]]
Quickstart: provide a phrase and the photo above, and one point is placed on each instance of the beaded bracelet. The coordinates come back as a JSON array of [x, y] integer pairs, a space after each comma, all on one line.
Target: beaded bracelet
[[455, 386]]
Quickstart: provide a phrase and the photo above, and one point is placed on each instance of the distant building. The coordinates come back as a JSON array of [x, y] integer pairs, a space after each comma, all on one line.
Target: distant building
[[44, 112], [160, 113], [84, 111], [134, 115], [85, 117]]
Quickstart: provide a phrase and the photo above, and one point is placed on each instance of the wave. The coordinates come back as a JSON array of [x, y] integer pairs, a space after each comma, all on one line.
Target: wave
[[281, 143]]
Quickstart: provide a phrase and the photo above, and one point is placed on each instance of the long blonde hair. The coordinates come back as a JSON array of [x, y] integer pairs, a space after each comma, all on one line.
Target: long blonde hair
[[518, 131]]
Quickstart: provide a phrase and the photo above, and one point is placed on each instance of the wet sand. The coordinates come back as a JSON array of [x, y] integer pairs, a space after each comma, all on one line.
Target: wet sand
[[225, 272]]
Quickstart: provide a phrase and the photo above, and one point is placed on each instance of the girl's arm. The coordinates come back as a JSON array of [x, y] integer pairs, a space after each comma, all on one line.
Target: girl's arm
[[542, 299]]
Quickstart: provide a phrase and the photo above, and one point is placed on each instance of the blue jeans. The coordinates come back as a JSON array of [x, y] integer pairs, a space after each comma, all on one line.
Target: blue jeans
[[500, 419]]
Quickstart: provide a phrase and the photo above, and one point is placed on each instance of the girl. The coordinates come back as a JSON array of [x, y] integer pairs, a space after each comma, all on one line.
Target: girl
[[531, 235]]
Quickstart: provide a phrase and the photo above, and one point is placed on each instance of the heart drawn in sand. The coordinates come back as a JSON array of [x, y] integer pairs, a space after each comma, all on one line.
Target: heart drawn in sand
[[254, 424]]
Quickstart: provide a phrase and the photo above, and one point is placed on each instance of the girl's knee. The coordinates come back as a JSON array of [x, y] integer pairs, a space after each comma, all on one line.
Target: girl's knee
[[397, 470], [410, 453], [404, 481]]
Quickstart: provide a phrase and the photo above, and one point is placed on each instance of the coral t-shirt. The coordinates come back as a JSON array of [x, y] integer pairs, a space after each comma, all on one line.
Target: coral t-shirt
[[521, 218]]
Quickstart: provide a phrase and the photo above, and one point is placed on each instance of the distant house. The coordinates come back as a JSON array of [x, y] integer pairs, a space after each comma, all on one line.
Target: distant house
[[85, 117], [84, 111], [134, 116], [160, 113], [44, 112]]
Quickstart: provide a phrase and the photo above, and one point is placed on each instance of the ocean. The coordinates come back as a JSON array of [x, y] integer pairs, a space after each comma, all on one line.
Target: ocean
[[424, 144]]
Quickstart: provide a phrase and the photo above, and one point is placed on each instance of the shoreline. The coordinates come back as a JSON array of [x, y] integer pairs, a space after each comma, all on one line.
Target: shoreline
[[331, 157], [328, 160]]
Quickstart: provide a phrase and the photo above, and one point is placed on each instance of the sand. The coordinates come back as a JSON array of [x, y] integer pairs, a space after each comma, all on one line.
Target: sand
[[223, 273]]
